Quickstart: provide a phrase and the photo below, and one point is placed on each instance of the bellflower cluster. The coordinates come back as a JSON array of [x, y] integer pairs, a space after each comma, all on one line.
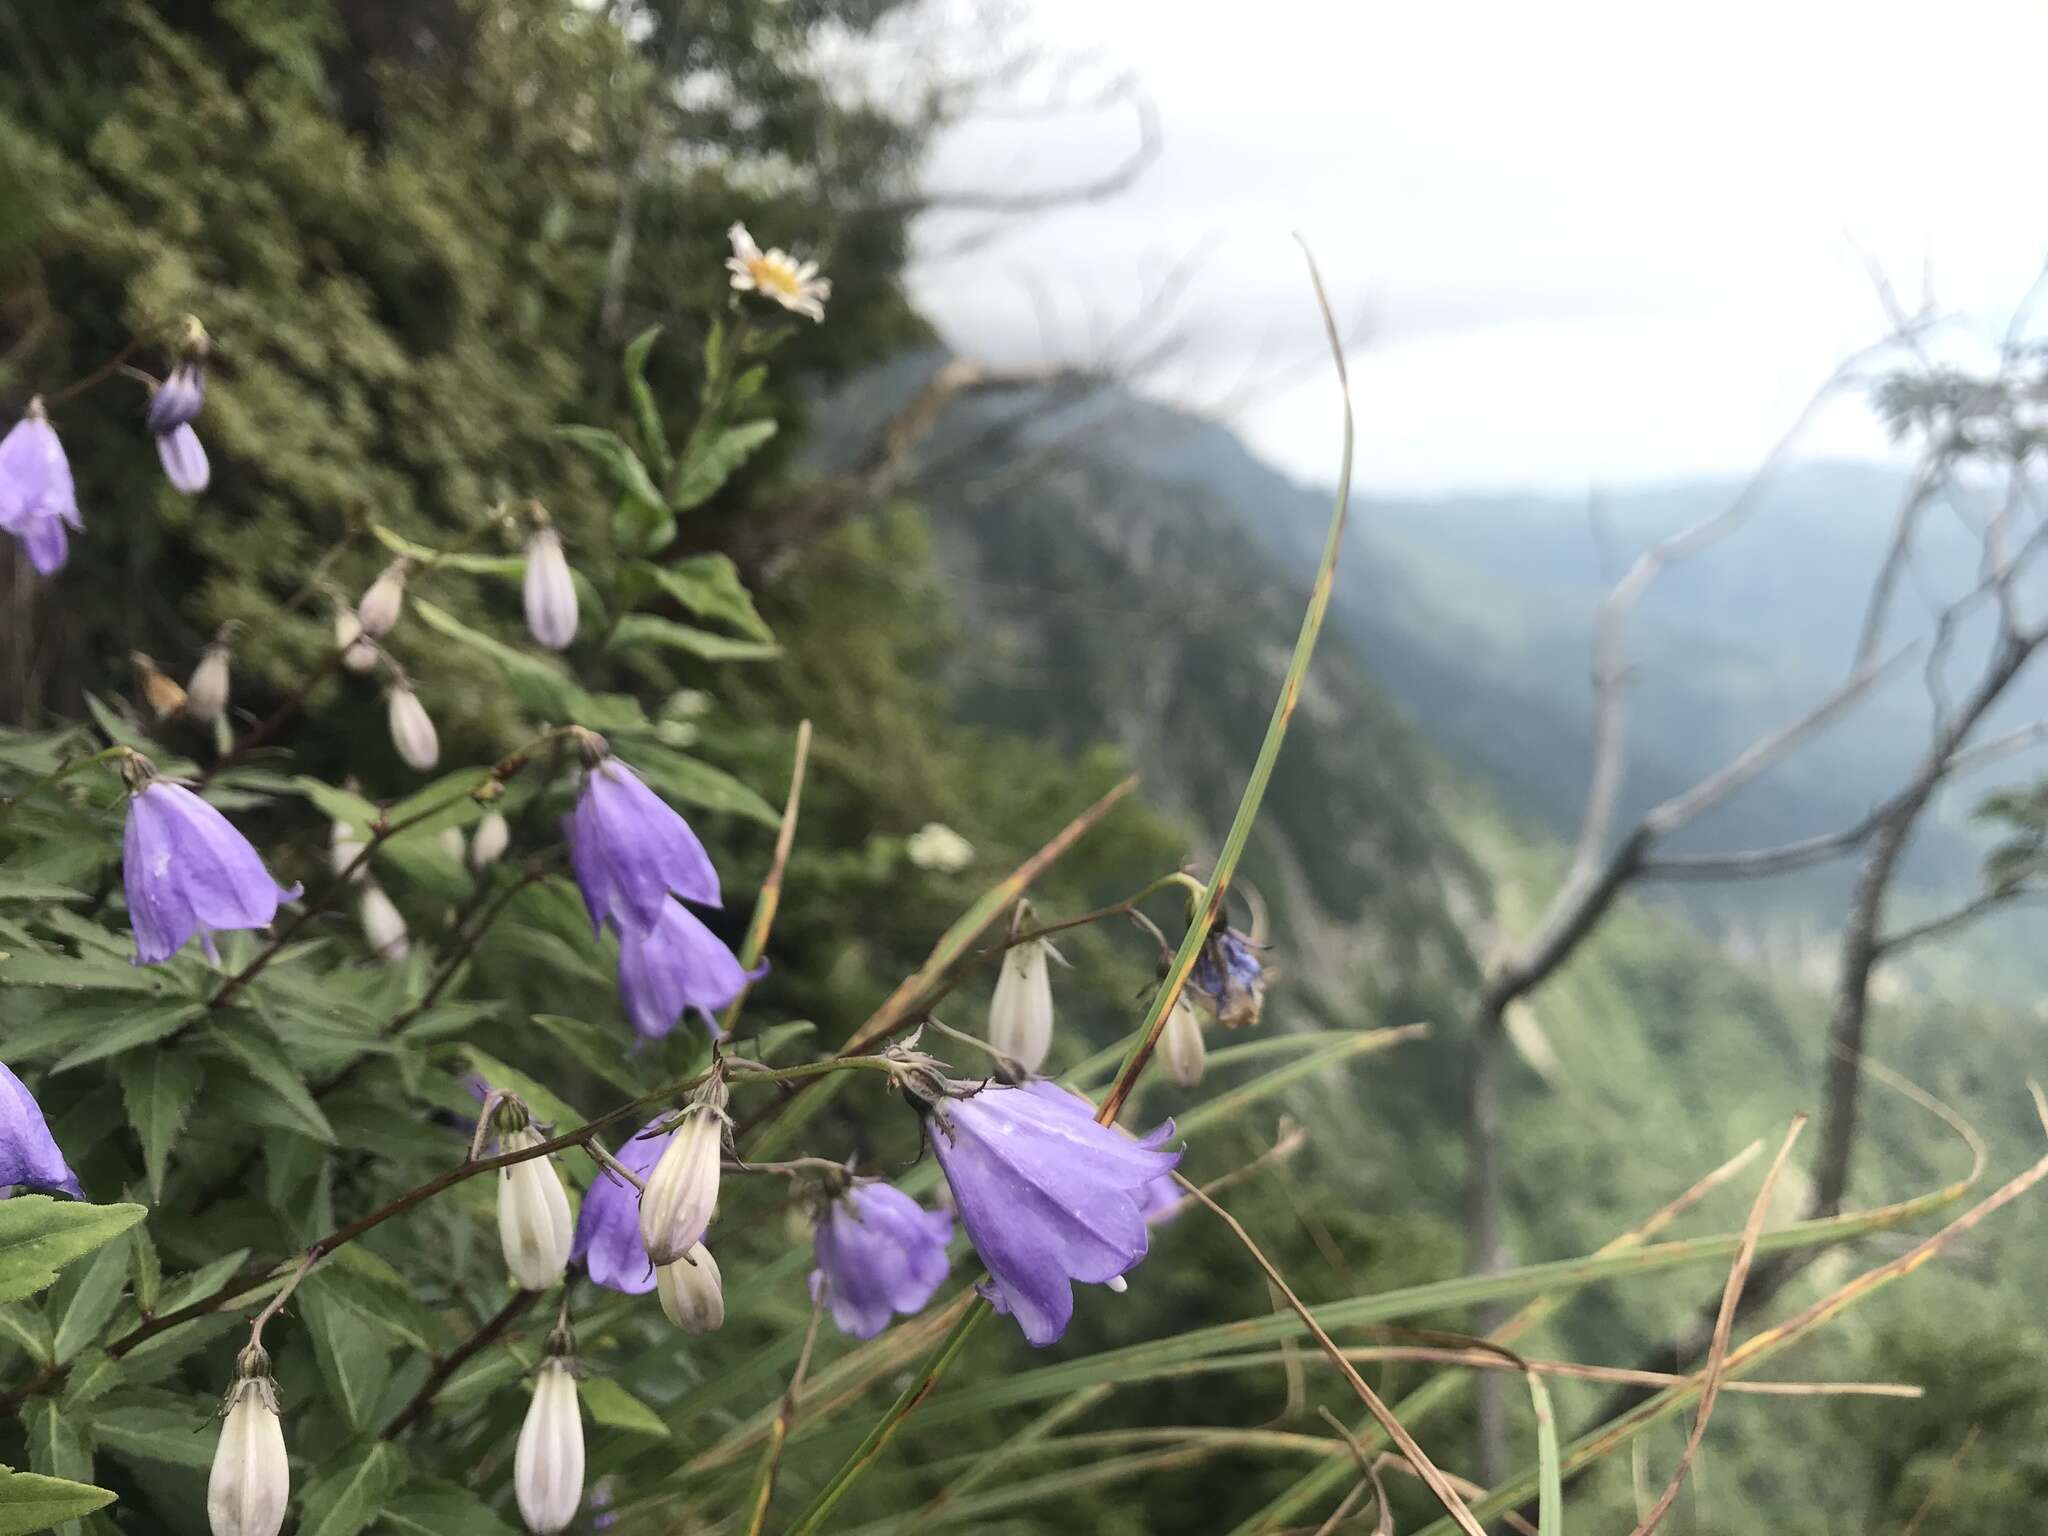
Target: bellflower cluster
[[1047, 1196], [29, 1155], [188, 871], [879, 1253], [38, 501], [169, 417]]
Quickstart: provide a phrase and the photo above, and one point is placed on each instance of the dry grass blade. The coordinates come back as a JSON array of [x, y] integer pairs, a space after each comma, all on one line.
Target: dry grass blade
[[770, 899], [1724, 1324], [1383, 1521], [1943, 1482], [1426, 1469], [785, 1416]]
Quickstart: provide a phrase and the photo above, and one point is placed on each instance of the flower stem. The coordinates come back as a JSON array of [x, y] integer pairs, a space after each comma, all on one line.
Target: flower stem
[[60, 773]]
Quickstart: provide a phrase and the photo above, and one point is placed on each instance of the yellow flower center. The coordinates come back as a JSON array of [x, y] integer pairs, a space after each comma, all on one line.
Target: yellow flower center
[[775, 277]]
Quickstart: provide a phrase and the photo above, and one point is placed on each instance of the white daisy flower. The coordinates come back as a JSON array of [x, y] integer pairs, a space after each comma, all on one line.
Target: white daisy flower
[[777, 275]]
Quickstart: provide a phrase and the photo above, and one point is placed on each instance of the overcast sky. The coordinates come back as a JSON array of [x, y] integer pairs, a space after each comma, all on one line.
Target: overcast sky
[[1594, 244]]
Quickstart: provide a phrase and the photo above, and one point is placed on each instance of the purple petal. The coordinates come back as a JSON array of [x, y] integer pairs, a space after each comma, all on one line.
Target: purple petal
[[1047, 1196], [187, 871], [184, 459], [630, 851], [29, 1155], [879, 1253], [608, 1226], [45, 541], [35, 477], [678, 964], [177, 400]]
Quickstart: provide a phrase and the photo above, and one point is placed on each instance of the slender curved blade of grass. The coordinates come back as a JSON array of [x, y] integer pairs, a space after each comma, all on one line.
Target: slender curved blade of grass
[[1549, 1475]]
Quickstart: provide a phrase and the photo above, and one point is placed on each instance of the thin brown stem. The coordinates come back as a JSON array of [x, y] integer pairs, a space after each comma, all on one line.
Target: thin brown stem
[[785, 1420], [489, 1333]]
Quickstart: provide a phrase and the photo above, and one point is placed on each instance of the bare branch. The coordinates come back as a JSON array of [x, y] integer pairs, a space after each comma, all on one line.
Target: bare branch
[[1984, 901], [1751, 863], [1997, 749]]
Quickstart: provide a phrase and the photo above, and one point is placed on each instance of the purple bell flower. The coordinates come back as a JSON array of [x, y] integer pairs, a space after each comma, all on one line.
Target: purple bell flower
[[1047, 1196], [630, 851], [37, 497], [608, 1227], [1230, 979], [177, 400], [184, 460], [189, 871], [678, 964], [879, 1253], [29, 1155]]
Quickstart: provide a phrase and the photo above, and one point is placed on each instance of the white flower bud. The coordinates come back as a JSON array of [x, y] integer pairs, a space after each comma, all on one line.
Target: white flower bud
[[547, 1470], [384, 925], [682, 1192], [452, 844], [550, 591], [251, 1479], [357, 654], [379, 609], [206, 696], [536, 1228], [488, 843], [1020, 1016], [692, 1294], [346, 849], [1182, 1051], [936, 846], [412, 730]]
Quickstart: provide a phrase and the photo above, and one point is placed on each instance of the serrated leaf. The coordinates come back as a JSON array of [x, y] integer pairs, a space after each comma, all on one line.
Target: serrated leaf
[[145, 1269], [381, 1297], [96, 1373], [442, 1510], [713, 461], [30, 1502], [140, 1027], [695, 782], [164, 1428], [637, 629], [265, 1062], [39, 1235], [16, 888], [343, 1499], [203, 1281], [353, 1360], [84, 973], [57, 1447], [709, 586], [23, 1322], [614, 1407], [98, 1294], [600, 1048]]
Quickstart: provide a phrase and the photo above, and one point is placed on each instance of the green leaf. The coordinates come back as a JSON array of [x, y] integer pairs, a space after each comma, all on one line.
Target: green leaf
[[709, 586], [353, 1360], [638, 629], [162, 1428], [547, 1108], [23, 1322], [642, 522], [32, 1503], [344, 806], [513, 566], [381, 1297], [594, 1046], [343, 1499], [96, 1373], [449, 800], [57, 1447], [712, 462], [15, 888], [698, 783], [84, 973], [653, 441], [614, 1407], [140, 1027], [442, 1510], [205, 1280], [265, 1062], [146, 1269], [98, 1294], [542, 685], [39, 1235]]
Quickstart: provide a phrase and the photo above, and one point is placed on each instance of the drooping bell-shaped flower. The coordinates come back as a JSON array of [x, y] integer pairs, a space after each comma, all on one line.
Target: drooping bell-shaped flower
[[384, 925], [358, 654], [251, 1481], [692, 1291], [178, 400], [682, 1192], [29, 1155], [1229, 978], [534, 1223], [381, 605], [188, 871], [608, 1241], [412, 729], [488, 843], [206, 695], [676, 965], [184, 460], [630, 851], [1020, 1014], [1182, 1051], [550, 591], [37, 498], [1047, 1196], [879, 1253], [547, 1468]]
